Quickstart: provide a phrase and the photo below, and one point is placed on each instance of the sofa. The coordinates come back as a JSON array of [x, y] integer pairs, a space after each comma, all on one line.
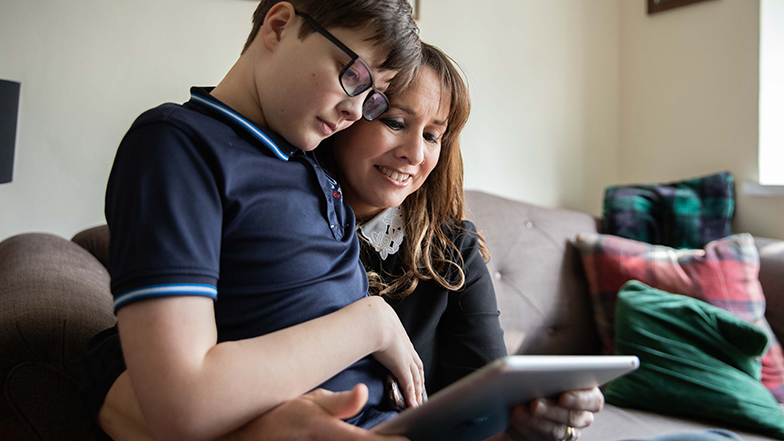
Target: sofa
[[54, 295]]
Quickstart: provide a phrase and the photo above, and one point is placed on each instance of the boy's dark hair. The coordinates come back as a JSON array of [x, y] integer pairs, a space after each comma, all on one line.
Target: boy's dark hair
[[395, 28]]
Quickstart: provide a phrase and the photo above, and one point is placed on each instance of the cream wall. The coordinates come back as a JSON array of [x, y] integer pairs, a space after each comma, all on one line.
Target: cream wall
[[88, 68], [569, 95], [544, 78], [689, 100]]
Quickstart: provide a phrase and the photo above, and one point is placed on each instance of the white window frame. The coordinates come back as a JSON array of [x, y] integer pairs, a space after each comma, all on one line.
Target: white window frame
[[771, 98]]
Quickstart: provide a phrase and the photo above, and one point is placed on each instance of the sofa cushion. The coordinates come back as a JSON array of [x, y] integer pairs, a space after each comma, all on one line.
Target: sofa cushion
[[614, 423], [696, 360], [685, 214], [724, 274], [537, 275]]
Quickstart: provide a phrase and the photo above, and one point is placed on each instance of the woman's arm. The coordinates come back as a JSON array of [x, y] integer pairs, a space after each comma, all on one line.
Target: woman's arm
[[469, 331], [470, 336], [190, 387]]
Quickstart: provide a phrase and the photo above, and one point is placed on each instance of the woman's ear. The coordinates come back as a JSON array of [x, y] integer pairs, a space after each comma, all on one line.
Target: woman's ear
[[280, 22]]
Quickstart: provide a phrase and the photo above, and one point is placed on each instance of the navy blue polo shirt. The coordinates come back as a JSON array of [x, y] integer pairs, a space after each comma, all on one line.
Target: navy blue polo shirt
[[201, 201]]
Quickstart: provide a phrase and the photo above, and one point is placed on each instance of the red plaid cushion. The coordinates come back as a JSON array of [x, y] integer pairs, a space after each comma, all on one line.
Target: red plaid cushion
[[724, 274]]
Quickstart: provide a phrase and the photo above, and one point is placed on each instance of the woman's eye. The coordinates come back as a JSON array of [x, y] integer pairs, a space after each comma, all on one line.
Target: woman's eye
[[393, 124], [431, 137]]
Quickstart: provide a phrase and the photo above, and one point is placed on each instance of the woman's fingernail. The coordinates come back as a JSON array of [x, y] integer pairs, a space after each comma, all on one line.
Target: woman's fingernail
[[568, 400], [540, 408]]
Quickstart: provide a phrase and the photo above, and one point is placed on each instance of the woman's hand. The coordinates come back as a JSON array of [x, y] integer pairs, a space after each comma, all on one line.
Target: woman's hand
[[397, 354], [549, 420]]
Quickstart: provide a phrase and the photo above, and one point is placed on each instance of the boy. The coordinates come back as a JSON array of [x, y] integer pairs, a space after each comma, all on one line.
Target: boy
[[220, 198]]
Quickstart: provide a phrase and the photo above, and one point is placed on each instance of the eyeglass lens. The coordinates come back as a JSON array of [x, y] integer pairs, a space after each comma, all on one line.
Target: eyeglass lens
[[375, 104], [356, 78]]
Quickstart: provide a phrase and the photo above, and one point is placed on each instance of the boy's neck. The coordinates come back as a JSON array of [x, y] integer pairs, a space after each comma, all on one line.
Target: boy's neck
[[238, 91]]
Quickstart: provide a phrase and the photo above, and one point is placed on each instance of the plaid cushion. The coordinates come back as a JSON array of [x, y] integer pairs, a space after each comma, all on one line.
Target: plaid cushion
[[724, 274], [686, 214]]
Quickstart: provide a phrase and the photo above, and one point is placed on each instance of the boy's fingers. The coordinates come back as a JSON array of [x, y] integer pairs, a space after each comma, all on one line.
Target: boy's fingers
[[341, 405]]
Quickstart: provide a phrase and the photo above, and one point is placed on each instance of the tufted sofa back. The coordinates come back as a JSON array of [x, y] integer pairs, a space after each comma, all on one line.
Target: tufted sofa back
[[538, 277]]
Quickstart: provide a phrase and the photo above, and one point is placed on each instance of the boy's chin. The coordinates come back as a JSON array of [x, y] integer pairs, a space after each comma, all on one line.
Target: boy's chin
[[310, 146], [304, 143]]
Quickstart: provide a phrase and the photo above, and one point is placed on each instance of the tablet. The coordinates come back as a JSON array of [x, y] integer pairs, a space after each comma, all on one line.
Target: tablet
[[477, 406]]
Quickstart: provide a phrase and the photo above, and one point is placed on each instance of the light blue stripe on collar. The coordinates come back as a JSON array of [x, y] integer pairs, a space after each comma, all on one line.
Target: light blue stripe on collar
[[244, 123]]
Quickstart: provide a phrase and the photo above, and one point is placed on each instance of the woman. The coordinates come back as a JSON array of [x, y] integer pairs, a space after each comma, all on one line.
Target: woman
[[403, 177]]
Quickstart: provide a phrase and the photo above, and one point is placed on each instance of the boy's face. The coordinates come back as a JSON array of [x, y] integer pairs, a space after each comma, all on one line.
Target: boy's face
[[308, 104]]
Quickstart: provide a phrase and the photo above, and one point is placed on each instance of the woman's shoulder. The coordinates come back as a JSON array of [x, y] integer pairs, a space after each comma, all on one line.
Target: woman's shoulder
[[463, 234], [457, 231]]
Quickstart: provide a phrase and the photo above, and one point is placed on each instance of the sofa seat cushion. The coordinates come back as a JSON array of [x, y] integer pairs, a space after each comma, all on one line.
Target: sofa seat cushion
[[614, 423], [724, 274]]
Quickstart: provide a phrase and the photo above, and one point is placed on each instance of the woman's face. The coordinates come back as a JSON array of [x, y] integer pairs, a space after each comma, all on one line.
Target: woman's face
[[381, 162]]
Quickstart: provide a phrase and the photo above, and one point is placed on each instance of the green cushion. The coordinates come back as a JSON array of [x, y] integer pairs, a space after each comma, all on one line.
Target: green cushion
[[696, 360]]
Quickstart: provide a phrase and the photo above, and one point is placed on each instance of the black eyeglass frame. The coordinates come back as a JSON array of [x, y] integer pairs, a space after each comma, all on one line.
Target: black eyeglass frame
[[354, 57]]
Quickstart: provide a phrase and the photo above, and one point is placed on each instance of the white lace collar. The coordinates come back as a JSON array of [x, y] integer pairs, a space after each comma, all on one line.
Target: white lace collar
[[385, 231]]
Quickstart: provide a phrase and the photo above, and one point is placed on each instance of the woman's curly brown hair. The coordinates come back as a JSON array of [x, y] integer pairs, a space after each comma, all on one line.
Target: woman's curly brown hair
[[435, 211]]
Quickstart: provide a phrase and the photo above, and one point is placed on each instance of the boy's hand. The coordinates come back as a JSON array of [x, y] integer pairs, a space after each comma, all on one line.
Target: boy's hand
[[397, 354], [316, 416]]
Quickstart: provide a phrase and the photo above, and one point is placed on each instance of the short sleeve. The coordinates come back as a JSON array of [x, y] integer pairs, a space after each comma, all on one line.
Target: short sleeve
[[164, 213]]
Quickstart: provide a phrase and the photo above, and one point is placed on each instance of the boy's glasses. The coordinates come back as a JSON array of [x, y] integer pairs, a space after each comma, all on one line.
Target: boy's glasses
[[356, 77]]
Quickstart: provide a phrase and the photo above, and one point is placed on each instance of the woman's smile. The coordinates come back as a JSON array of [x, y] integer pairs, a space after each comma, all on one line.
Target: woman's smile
[[399, 178]]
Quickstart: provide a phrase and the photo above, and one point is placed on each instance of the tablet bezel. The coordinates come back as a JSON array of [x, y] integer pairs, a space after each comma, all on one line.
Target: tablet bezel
[[479, 403]]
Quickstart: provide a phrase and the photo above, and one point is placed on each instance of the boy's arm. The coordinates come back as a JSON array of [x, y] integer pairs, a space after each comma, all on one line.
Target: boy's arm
[[315, 416], [190, 387], [312, 417]]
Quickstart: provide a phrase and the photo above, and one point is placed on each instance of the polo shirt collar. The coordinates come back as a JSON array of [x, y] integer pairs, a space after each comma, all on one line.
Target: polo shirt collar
[[274, 142]]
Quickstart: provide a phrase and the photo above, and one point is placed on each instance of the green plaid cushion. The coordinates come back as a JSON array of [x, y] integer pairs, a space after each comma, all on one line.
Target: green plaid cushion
[[686, 214]]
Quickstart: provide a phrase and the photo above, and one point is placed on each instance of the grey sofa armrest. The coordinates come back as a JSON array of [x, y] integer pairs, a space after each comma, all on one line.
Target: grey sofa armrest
[[772, 279], [54, 296]]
